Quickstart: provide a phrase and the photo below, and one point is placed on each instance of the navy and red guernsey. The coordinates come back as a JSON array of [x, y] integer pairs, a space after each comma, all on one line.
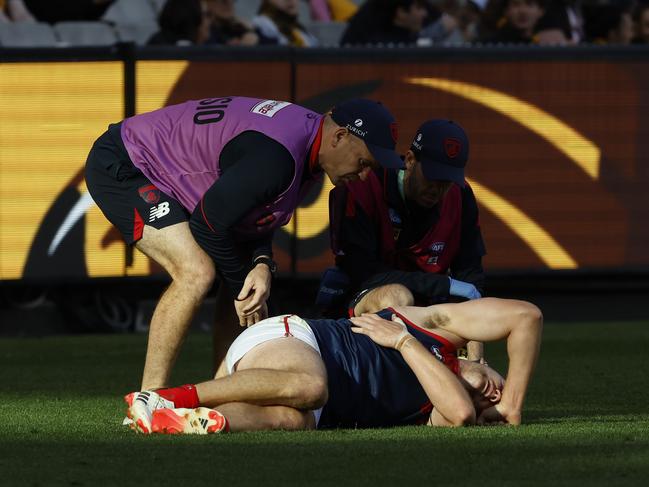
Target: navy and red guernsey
[[370, 385]]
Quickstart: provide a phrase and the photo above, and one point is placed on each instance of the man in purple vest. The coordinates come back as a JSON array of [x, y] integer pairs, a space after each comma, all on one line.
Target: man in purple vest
[[201, 186], [416, 226]]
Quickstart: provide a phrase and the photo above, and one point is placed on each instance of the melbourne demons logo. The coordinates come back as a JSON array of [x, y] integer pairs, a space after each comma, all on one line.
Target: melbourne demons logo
[[149, 193], [452, 147]]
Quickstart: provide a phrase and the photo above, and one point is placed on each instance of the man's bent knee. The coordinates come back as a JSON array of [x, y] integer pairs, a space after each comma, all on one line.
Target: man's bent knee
[[311, 390], [285, 418], [383, 297], [198, 278]]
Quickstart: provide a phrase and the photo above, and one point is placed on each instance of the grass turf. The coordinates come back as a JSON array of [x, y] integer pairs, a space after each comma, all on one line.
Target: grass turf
[[587, 422]]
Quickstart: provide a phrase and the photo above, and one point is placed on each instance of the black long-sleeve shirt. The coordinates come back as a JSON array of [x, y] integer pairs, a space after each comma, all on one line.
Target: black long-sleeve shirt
[[255, 170]]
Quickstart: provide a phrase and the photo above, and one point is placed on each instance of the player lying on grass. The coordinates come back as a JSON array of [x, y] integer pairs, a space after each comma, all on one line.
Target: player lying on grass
[[392, 368]]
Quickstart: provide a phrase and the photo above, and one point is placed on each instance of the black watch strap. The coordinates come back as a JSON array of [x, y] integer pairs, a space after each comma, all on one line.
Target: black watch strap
[[272, 266]]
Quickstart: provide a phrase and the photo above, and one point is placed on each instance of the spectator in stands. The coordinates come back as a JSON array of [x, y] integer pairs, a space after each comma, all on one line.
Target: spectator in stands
[[608, 24], [386, 22], [14, 11], [562, 24], [182, 23], [277, 24], [332, 10], [455, 22], [517, 23], [641, 21], [227, 28], [52, 12]]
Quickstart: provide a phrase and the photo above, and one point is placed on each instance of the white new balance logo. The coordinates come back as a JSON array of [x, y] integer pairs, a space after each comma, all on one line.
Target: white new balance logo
[[159, 211]]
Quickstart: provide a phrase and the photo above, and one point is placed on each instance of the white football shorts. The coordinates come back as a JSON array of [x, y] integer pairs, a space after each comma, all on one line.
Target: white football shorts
[[271, 329]]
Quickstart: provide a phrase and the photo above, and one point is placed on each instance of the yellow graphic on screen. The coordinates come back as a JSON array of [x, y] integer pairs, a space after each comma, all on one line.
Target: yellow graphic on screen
[[575, 146], [50, 114], [313, 219], [537, 238], [155, 80]]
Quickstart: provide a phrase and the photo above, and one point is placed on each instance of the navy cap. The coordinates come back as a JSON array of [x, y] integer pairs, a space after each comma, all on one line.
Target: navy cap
[[370, 121], [442, 147]]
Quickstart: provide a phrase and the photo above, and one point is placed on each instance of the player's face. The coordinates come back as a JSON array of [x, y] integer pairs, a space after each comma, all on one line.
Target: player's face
[[349, 160], [483, 383], [422, 191]]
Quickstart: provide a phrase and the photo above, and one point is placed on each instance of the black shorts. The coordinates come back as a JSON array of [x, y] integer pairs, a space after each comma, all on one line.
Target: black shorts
[[126, 197]]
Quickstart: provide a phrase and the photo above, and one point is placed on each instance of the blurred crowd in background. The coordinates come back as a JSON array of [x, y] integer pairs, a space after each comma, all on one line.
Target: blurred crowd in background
[[309, 23]]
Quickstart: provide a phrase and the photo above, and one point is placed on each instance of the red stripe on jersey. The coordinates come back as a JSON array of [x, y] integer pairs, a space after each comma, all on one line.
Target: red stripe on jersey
[[205, 217], [446, 343], [315, 150], [138, 225], [448, 352]]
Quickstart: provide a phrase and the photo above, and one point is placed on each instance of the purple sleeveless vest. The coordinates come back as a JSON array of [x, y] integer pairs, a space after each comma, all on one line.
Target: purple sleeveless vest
[[179, 147]]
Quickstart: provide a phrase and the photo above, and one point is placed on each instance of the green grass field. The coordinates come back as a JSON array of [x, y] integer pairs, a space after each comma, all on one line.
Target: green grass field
[[587, 423]]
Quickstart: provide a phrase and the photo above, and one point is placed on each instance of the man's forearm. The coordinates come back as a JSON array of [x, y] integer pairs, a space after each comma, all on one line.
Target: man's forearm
[[523, 345], [442, 387]]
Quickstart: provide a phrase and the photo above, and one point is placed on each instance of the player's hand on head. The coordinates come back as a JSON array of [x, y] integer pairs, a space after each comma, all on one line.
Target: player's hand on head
[[392, 334], [499, 414]]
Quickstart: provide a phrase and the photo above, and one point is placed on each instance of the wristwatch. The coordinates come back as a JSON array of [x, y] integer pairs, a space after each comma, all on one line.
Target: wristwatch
[[272, 266]]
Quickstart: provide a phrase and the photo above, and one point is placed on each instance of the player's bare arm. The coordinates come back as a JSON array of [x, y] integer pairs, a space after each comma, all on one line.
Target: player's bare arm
[[451, 402], [492, 319]]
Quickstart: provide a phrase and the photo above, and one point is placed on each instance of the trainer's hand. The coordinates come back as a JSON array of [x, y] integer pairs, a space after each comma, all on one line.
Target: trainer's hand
[[249, 319], [392, 334], [251, 301], [257, 287], [499, 414], [463, 289]]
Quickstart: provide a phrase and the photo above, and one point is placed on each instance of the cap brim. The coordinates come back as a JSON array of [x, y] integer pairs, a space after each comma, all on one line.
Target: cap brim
[[386, 157], [434, 171]]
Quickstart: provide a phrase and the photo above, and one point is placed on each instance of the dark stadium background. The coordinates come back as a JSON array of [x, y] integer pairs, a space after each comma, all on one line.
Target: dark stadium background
[[575, 242]]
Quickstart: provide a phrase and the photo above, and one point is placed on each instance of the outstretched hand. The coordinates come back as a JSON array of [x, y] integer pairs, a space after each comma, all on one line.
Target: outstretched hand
[[386, 333]]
